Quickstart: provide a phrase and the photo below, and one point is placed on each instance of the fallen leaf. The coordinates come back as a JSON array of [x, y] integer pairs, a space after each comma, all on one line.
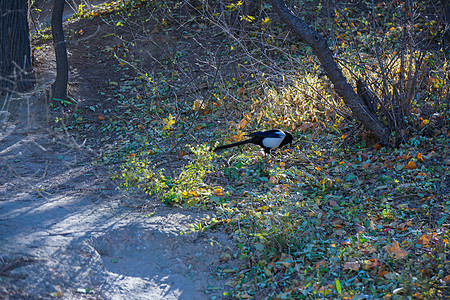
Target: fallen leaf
[[238, 137], [320, 264], [286, 264], [403, 226], [273, 180], [377, 146], [285, 256], [395, 250], [304, 127], [411, 165], [101, 117], [372, 225], [225, 257], [242, 123], [197, 105], [382, 273], [425, 240], [218, 191], [169, 121], [352, 265], [373, 263], [446, 279], [391, 275], [228, 271]]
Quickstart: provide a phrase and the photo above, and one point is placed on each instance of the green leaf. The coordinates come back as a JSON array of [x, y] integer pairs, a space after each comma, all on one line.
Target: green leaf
[[350, 177], [338, 287]]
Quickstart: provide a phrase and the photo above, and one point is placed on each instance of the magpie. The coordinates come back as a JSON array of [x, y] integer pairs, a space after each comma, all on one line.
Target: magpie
[[267, 139]]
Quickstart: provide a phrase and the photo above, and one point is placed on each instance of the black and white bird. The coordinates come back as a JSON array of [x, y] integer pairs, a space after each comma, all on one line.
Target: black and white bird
[[267, 139]]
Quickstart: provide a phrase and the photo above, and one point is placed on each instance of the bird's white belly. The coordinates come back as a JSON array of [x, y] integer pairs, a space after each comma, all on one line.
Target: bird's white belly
[[272, 142]]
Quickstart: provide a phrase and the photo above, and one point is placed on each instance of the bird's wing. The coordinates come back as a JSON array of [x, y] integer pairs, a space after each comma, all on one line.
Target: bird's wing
[[273, 133]]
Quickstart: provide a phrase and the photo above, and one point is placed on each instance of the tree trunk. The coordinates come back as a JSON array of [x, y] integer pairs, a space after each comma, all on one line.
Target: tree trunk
[[334, 73], [59, 87], [15, 49]]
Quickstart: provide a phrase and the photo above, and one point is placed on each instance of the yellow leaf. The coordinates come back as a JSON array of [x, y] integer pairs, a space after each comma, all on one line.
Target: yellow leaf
[[425, 240], [168, 122], [419, 156], [218, 191], [194, 193], [242, 124], [197, 105], [238, 137]]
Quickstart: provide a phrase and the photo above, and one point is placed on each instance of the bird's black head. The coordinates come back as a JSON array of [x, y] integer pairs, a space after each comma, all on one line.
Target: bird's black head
[[288, 139]]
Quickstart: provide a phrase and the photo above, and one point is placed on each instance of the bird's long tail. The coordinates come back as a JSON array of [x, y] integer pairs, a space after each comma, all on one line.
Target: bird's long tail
[[233, 145]]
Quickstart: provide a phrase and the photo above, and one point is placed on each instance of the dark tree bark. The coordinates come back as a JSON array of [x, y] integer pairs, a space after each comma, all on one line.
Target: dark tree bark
[[15, 49], [59, 87], [334, 73]]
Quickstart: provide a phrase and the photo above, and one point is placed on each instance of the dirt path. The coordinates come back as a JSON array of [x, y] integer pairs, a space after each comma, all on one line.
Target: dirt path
[[63, 230]]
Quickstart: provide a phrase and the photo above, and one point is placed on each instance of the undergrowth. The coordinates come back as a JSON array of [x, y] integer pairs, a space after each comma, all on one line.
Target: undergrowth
[[187, 187], [337, 216]]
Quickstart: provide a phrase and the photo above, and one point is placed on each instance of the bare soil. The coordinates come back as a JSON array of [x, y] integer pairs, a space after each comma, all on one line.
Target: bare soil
[[64, 229]]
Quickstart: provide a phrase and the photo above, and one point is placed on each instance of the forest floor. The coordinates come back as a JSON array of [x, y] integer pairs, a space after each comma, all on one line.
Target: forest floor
[[67, 231], [152, 84]]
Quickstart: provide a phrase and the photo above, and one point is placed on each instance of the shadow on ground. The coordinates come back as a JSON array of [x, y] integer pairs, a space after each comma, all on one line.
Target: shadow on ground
[[63, 230]]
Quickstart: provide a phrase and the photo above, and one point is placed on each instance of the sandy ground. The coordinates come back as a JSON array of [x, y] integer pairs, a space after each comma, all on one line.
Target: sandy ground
[[63, 230]]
